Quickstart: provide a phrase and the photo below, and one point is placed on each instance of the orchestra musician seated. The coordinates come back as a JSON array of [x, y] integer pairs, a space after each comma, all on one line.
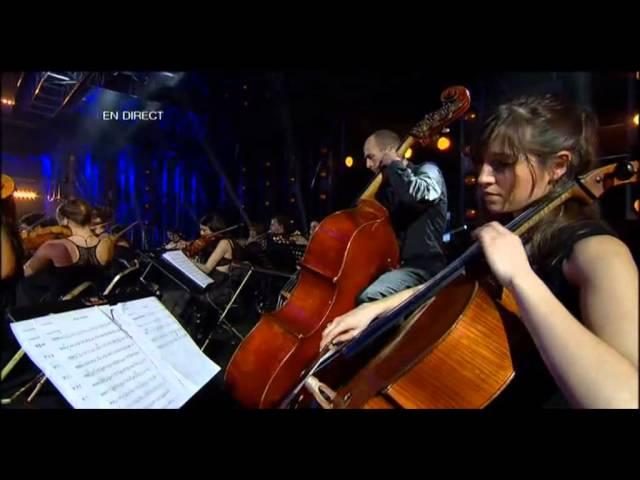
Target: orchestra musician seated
[[59, 265]]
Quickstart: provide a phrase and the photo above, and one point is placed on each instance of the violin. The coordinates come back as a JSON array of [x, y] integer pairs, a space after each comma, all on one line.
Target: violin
[[196, 246], [34, 238], [199, 244]]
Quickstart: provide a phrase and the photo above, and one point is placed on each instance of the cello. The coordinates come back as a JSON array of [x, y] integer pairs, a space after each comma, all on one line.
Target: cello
[[454, 343], [339, 262]]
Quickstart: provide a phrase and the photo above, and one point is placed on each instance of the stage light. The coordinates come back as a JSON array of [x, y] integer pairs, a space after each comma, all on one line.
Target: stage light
[[444, 143], [266, 203], [292, 179], [408, 153], [267, 183], [268, 164], [323, 173], [348, 162], [636, 119], [25, 195], [323, 196], [471, 213], [470, 180], [636, 206], [470, 116], [292, 200]]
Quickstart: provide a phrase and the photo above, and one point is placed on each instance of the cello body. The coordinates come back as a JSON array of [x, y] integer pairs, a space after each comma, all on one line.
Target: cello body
[[340, 262], [461, 350]]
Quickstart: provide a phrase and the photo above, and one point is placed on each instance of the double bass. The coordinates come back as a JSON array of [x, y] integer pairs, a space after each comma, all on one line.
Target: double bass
[[454, 343], [348, 251]]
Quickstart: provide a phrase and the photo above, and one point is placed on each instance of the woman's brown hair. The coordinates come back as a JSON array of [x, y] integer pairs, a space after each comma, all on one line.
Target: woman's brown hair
[[541, 127]]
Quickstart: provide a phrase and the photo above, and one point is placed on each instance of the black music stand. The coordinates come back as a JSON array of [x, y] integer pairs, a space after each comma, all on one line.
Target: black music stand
[[222, 322], [250, 270]]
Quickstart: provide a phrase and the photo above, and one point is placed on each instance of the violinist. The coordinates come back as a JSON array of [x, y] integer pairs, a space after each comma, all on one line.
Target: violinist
[[122, 249], [575, 282], [100, 218], [280, 228], [176, 241], [59, 265], [279, 241], [217, 253]]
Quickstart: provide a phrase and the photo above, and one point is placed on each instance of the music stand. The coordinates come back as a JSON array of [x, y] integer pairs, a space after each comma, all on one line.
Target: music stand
[[221, 320], [251, 269]]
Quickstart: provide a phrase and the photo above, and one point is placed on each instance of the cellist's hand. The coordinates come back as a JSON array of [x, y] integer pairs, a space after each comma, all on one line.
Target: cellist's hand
[[347, 326], [504, 252]]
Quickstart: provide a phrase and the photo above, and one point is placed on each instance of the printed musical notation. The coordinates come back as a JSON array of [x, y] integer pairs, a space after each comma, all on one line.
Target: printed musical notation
[[129, 356], [161, 333], [186, 266]]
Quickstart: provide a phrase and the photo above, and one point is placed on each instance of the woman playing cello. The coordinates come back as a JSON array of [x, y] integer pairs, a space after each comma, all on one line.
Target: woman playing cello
[[575, 283]]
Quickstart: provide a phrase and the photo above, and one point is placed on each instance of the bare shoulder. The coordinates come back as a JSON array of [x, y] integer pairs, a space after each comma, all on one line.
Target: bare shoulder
[[604, 271], [597, 257], [54, 246]]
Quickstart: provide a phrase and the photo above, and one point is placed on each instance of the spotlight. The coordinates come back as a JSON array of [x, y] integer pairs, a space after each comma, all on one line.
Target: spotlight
[[408, 153], [444, 143], [348, 162], [470, 180], [636, 119], [25, 195], [471, 213]]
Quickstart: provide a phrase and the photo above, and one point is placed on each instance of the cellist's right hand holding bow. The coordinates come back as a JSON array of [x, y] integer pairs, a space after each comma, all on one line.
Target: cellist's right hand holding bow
[[504, 253]]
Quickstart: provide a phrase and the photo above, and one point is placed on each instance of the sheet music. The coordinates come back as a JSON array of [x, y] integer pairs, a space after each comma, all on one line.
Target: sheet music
[[186, 266], [166, 342], [96, 362]]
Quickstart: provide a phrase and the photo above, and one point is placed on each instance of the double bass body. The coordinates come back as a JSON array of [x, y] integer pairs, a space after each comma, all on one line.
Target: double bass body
[[340, 261]]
